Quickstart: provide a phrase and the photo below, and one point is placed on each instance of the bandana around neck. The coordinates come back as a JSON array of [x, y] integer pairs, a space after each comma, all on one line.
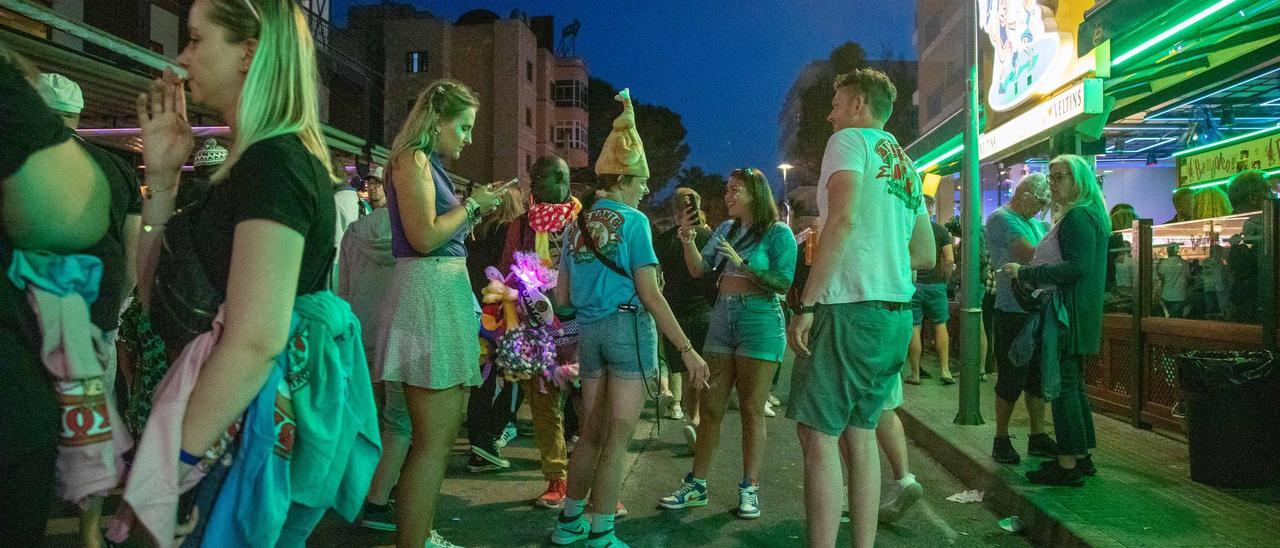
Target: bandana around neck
[[552, 218]]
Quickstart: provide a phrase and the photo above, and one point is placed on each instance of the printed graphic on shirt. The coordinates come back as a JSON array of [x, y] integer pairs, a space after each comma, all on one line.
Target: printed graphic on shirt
[[898, 174], [604, 226], [84, 412]]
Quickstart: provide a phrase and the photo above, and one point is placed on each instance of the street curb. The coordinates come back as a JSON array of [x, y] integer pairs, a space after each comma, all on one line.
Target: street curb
[[978, 471]]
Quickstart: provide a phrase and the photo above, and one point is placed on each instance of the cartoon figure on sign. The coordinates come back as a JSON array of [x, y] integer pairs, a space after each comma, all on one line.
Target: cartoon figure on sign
[[1026, 46]]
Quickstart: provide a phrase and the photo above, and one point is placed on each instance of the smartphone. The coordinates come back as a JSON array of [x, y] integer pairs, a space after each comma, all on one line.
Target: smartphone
[[690, 209], [504, 186]]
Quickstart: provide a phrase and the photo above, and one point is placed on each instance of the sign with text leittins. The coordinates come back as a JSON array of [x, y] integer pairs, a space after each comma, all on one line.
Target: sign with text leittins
[[1066, 108], [1262, 152]]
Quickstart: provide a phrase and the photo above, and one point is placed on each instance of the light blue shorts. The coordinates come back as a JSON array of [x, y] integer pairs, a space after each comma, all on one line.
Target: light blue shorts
[[750, 326], [623, 344]]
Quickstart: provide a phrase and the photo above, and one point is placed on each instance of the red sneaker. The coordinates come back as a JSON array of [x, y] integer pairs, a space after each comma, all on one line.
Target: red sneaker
[[557, 489], [621, 512]]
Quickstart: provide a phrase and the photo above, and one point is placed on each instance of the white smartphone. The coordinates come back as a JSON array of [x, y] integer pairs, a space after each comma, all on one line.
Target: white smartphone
[[504, 186]]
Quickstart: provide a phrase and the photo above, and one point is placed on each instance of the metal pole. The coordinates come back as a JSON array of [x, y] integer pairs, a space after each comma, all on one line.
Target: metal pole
[[971, 289]]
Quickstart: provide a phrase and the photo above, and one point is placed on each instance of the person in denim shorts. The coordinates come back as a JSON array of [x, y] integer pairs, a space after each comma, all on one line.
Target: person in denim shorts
[[608, 274], [754, 257]]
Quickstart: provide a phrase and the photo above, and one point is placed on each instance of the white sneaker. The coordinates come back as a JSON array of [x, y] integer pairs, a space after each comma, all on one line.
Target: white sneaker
[[773, 400], [691, 435], [768, 410], [437, 541], [844, 506], [908, 492], [674, 412], [749, 501]]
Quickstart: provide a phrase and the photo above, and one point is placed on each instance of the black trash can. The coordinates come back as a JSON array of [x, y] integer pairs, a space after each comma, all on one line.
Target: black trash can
[[1233, 417]]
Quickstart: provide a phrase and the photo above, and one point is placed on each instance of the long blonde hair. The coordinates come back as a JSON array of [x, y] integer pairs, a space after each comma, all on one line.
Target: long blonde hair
[[1209, 203], [1087, 192], [443, 100], [279, 95]]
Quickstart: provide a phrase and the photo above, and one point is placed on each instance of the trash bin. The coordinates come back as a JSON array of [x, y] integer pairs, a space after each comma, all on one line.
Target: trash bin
[[1233, 419]]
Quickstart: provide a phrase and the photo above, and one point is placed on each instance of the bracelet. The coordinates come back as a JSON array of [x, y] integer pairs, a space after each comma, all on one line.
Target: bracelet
[[148, 228], [687, 347], [187, 458], [804, 309], [472, 208]]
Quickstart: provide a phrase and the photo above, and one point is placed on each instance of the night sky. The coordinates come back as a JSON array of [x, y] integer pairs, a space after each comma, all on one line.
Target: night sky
[[725, 66]]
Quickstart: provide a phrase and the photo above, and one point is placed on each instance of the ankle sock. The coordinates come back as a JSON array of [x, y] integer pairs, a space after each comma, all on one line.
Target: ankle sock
[[601, 523], [747, 482], [701, 482], [907, 480], [573, 507]]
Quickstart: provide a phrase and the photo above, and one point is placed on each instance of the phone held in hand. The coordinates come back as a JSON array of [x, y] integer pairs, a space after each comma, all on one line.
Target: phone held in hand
[[504, 186], [690, 209]]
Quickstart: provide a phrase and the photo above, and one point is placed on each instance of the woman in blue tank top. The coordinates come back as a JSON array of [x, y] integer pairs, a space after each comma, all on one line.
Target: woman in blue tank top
[[428, 353]]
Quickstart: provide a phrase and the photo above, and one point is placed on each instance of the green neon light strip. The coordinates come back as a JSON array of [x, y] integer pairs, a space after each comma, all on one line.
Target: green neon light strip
[[1155, 40], [1199, 186], [1224, 142], [941, 159]]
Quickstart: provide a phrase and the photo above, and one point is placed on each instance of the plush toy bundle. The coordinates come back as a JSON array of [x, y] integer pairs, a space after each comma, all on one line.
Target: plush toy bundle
[[517, 321]]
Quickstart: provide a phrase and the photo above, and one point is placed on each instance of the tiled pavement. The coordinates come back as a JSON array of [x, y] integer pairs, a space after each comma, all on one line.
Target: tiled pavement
[[1142, 496]]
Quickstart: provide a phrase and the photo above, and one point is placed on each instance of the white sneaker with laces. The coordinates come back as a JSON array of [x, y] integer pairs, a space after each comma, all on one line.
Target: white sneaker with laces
[[749, 501], [768, 410], [908, 491], [437, 541], [773, 400], [675, 412]]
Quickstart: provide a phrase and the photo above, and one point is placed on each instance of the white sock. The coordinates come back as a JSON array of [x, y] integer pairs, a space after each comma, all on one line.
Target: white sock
[[907, 480], [573, 507], [601, 523]]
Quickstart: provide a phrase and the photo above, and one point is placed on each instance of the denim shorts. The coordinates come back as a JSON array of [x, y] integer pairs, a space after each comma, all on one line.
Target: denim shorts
[[749, 325], [623, 344]]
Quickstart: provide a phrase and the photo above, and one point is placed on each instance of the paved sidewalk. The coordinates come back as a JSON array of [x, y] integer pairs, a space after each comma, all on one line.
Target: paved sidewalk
[[1143, 494]]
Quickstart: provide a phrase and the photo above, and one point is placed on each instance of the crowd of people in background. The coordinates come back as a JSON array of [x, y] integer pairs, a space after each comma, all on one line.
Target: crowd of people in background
[[294, 347]]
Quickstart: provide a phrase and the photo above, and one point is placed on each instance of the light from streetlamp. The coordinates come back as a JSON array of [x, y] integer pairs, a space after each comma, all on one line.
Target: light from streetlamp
[[785, 166]]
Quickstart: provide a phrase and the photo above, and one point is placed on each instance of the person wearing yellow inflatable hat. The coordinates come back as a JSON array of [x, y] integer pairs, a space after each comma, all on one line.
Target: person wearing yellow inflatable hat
[[608, 274]]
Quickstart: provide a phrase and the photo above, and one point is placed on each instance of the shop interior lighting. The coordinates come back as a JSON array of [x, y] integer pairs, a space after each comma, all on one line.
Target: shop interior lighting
[[1237, 138], [1163, 141], [1171, 31], [103, 132]]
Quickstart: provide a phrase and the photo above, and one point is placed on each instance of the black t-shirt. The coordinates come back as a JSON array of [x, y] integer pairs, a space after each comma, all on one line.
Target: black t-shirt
[[26, 125], [485, 250], [276, 179], [29, 414], [126, 199], [685, 294], [934, 275]]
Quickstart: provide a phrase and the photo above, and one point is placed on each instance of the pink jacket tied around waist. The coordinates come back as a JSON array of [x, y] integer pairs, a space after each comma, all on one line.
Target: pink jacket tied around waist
[[91, 444]]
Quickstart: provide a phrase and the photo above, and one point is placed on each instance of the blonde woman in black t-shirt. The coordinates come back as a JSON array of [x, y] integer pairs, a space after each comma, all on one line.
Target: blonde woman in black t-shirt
[[267, 221]]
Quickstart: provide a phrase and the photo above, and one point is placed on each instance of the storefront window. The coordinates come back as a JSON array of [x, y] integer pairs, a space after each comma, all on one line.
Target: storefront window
[[1207, 269], [1122, 272]]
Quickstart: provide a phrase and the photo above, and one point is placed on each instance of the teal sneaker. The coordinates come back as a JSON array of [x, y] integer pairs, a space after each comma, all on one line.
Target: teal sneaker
[[690, 494], [570, 530], [605, 539]]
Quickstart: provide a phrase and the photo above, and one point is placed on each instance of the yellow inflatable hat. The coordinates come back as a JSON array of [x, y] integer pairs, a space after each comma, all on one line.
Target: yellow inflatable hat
[[623, 152]]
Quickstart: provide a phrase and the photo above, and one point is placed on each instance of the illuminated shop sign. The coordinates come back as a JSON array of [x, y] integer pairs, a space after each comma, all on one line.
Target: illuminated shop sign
[[1221, 162], [1031, 49], [1068, 107]]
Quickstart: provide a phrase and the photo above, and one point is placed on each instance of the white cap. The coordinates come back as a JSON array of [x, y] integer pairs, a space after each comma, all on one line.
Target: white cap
[[377, 172], [61, 94]]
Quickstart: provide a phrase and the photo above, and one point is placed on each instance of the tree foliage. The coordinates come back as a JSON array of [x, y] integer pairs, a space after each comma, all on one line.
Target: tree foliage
[[815, 104], [710, 186]]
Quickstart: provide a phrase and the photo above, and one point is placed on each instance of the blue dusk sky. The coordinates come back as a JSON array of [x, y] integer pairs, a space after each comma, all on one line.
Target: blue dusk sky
[[724, 66]]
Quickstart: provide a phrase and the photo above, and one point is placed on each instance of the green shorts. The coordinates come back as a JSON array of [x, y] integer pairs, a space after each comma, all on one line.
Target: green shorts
[[858, 351], [930, 301]]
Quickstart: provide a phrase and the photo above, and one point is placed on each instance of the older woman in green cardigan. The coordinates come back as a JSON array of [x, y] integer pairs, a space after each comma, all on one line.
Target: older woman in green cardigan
[[1072, 258]]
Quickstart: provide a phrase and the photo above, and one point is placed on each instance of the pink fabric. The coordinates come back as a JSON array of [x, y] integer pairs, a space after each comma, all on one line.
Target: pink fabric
[[92, 440], [151, 494]]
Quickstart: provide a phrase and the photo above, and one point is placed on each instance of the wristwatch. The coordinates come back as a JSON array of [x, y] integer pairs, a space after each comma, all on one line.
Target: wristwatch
[[803, 309]]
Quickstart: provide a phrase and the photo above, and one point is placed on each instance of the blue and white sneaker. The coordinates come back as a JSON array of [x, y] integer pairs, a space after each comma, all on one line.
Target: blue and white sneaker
[[691, 493], [605, 539], [749, 501], [509, 434], [571, 530]]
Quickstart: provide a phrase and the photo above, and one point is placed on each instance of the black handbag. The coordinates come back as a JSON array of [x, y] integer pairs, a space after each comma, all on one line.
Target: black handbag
[[183, 300]]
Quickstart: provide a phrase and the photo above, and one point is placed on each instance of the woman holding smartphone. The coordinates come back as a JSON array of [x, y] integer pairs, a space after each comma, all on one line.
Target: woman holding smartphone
[[754, 256], [429, 355]]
